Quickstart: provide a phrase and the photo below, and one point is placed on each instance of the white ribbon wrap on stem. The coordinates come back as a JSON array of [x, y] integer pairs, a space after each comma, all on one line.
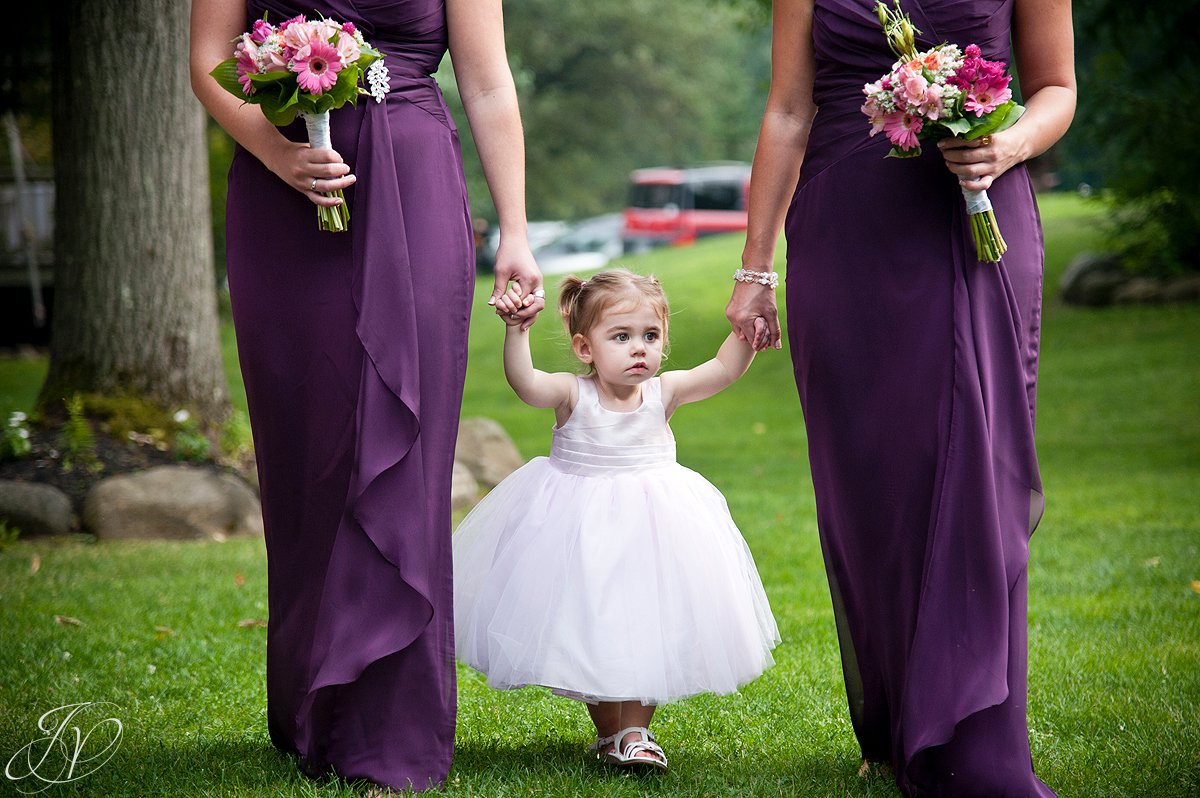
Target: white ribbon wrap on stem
[[335, 218], [977, 201], [318, 130]]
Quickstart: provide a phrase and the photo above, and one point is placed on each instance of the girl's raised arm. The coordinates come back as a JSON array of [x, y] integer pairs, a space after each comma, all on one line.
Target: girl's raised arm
[[534, 387], [710, 377]]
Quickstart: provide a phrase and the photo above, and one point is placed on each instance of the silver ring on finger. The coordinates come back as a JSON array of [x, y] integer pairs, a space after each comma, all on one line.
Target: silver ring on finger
[[540, 293], [313, 185]]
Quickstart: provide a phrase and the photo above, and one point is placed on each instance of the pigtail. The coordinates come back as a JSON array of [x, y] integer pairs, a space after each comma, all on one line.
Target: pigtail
[[568, 300]]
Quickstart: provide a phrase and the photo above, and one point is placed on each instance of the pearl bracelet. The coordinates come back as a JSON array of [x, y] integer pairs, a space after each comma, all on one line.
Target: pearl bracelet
[[770, 279]]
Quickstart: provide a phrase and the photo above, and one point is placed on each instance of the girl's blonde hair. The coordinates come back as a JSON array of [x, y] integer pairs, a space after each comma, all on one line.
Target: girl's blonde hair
[[583, 302]]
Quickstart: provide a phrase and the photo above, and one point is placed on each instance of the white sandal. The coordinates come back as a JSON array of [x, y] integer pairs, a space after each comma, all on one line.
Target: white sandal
[[626, 755], [601, 743]]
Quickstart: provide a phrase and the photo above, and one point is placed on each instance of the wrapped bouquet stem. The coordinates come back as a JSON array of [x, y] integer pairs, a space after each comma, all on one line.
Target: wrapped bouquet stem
[[305, 67], [941, 92], [989, 244], [336, 218]]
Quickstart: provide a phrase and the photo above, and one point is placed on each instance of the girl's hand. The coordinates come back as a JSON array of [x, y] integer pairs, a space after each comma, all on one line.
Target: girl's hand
[[754, 316], [509, 306], [978, 163], [311, 172], [520, 302]]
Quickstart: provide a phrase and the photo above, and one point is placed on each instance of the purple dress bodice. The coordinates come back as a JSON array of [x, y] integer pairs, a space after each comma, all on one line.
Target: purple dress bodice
[[412, 34], [851, 50]]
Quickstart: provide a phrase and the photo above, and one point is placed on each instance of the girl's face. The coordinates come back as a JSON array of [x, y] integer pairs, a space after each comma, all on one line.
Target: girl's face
[[625, 346]]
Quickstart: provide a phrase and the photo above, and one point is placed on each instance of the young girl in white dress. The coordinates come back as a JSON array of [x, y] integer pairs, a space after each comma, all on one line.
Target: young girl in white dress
[[607, 571]]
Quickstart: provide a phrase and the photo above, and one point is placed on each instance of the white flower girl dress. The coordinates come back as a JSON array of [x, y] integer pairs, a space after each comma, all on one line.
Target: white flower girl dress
[[609, 572]]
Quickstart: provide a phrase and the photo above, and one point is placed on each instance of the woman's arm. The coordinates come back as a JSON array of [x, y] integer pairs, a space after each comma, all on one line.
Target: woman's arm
[[490, 98], [215, 26], [1045, 53], [710, 377], [781, 140], [535, 388]]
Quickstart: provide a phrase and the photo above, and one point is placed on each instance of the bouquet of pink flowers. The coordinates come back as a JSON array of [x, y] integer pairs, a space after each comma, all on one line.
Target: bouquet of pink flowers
[[305, 67], [937, 93]]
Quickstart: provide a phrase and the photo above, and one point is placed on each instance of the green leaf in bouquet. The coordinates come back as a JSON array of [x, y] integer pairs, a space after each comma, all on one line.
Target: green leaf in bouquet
[[897, 152], [225, 73], [273, 89], [1002, 118], [267, 78], [280, 117], [278, 103], [368, 56], [1014, 114], [957, 127], [346, 88], [306, 103], [324, 102]]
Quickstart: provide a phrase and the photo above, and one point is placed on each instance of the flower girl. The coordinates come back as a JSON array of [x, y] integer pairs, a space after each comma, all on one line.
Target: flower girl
[[607, 571]]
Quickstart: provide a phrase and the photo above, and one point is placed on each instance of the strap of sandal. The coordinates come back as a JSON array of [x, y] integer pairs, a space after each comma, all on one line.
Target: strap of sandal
[[647, 743], [633, 749], [602, 742]]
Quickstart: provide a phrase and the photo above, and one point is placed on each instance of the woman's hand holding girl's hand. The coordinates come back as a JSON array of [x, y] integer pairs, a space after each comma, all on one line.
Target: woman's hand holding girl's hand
[[311, 172], [520, 302], [754, 316], [509, 306], [978, 163]]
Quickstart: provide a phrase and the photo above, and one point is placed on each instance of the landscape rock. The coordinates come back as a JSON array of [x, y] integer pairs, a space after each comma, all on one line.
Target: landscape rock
[[173, 502], [1139, 291], [1182, 289], [35, 509], [485, 448], [1092, 279], [464, 490]]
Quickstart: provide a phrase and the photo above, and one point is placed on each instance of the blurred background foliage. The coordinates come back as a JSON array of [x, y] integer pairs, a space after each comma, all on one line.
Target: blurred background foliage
[[609, 87]]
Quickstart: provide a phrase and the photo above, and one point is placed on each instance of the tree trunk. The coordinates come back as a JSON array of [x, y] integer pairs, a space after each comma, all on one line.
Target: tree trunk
[[135, 298]]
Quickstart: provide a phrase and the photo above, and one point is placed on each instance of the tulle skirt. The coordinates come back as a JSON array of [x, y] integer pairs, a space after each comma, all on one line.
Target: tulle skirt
[[633, 586]]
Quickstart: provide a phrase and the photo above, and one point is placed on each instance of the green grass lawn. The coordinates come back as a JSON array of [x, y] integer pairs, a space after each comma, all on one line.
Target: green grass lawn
[[1114, 612]]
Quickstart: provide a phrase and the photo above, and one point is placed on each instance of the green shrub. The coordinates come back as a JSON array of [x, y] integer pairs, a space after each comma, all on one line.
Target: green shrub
[[189, 442], [14, 439], [76, 439], [1145, 232]]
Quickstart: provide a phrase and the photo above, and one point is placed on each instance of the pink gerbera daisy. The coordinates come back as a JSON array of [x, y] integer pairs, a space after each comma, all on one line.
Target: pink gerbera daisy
[[902, 129], [984, 97], [316, 66]]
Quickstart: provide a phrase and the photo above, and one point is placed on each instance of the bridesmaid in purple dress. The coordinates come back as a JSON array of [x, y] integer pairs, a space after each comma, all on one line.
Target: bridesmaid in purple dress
[[353, 349], [916, 366]]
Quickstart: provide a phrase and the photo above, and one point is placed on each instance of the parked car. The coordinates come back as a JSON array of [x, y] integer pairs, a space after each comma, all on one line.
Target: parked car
[[26, 263], [586, 245], [676, 205], [487, 240]]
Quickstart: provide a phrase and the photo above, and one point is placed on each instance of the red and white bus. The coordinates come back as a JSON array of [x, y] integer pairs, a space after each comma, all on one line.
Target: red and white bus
[[673, 206]]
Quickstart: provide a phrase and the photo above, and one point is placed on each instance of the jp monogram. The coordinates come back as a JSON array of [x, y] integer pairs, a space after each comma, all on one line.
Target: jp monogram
[[78, 740]]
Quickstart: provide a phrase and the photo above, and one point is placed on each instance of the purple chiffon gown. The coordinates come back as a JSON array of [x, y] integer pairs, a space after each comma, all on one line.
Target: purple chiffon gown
[[916, 366], [353, 347]]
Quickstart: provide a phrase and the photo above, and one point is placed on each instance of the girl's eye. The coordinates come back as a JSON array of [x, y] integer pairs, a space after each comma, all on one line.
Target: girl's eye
[[651, 336], [622, 337]]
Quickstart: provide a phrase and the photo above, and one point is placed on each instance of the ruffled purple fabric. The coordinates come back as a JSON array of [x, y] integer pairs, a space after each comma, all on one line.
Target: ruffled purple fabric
[[355, 460]]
